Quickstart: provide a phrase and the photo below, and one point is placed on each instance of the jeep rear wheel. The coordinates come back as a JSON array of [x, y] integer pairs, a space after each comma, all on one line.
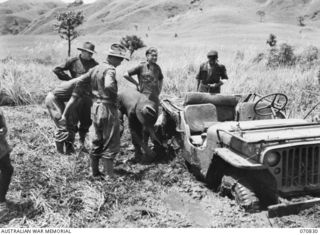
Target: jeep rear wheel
[[241, 190]]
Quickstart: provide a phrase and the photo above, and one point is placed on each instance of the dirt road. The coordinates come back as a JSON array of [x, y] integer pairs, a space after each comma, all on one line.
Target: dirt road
[[49, 189]]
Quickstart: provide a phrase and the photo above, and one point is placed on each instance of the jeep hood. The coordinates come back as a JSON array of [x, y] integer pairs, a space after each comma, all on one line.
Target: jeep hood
[[264, 130]]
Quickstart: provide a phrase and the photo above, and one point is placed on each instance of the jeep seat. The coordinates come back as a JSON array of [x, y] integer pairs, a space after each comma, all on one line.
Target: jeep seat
[[225, 104], [200, 117]]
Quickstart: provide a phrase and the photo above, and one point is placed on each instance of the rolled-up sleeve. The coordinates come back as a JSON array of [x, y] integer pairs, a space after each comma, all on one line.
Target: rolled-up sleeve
[[110, 78]]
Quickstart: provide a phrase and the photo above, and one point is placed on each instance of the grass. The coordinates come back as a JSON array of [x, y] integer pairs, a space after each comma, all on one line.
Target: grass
[[53, 190], [27, 76]]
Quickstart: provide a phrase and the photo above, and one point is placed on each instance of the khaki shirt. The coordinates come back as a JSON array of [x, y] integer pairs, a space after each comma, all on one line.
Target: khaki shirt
[[209, 75], [76, 67], [150, 76], [101, 80]]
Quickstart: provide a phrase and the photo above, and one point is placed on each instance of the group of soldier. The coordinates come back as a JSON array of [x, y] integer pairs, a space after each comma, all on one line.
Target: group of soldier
[[89, 96]]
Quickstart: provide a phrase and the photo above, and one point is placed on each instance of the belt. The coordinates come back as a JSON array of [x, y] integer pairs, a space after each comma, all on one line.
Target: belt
[[104, 101]]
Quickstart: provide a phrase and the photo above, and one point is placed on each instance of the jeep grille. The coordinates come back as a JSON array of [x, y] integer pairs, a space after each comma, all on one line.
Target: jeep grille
[[300, 167]]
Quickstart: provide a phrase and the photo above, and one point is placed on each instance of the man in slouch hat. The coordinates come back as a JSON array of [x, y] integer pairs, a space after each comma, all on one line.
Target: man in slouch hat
[[77, 66]]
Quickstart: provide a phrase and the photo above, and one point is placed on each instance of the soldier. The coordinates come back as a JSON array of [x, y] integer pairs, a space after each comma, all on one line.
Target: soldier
[[55, 102], [150, 78], [142, 116], [5, 166], [210, 74], [77, 66], [104, 111], [150, 81]]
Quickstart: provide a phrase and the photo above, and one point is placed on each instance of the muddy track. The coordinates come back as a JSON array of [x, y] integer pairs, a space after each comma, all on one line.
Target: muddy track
[[54, 190]]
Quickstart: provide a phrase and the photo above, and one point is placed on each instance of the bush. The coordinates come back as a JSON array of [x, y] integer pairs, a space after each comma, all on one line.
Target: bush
[[12, 92], [309, 57], [282, 56], [23, 82], [132, 43]]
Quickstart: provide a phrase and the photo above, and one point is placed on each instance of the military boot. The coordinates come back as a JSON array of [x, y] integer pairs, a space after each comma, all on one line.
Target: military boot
[[137, 156], [82, 141], [108, 167], [95, 167], [59, 146], [69, 148]]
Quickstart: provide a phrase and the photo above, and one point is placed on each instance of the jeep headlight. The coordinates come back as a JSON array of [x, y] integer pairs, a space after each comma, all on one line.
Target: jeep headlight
[[272, 158]]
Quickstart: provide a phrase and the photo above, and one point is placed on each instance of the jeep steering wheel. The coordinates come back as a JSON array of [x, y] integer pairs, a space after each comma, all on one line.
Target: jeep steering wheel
[[276, 103]]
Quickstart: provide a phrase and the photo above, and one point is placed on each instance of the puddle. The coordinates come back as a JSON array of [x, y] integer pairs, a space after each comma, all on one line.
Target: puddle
[[191, 209]]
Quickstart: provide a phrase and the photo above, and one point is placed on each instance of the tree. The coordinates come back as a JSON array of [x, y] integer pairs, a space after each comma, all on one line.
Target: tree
[[67, 24], [272, 40], [261, 14], [300, 20], [132, 43]]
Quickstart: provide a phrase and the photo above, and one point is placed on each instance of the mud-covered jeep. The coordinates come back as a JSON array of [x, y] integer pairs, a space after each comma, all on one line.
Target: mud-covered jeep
[[245, 147]]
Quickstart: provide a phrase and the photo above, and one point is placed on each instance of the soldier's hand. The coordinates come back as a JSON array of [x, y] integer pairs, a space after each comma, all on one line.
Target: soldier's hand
[[63, 121]]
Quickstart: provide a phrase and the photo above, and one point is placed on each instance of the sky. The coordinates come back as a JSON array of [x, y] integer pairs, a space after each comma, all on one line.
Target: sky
[[85, 1]]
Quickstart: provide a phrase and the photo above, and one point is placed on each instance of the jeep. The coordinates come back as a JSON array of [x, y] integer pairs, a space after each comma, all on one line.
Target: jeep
[[245, 147]]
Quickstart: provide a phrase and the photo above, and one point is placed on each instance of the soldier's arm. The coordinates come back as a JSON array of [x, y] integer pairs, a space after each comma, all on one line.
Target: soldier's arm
[[128, 76], [223, 72], [76, 94], [3, 125], [60, 70], [160, 81], [110, 80], [215, 85], [198, 77]]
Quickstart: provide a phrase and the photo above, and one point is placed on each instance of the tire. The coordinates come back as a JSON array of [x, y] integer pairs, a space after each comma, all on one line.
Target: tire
[[241, 190], [215, 173]]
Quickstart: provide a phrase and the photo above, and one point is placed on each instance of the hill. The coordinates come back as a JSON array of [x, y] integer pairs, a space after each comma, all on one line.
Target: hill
[[17, 15], [37, 17]]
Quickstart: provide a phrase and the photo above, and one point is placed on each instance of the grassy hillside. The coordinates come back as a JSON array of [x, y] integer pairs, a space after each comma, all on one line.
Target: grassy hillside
[[17, 15], [37, 17]]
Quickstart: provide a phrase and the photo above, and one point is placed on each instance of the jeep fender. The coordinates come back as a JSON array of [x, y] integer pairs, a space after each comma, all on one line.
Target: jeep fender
[[236, 160]]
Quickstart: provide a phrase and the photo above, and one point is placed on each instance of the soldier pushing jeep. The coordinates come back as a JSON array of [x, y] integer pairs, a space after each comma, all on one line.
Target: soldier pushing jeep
[[149, 83], [210, 74]]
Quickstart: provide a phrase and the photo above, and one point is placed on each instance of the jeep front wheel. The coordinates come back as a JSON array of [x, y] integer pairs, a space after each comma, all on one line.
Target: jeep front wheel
[[240, 189]]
